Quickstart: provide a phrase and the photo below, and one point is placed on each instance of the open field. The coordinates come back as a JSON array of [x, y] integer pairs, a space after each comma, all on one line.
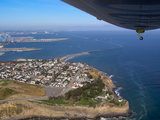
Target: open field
[[14, 90], [6, 92]]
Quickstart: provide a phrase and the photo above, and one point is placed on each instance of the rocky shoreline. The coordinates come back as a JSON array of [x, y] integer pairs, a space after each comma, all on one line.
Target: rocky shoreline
[[25, 110], [109, 115], [34, 109]]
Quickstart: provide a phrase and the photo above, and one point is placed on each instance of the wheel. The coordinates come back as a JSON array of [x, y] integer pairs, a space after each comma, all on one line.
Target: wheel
[[141, 38]]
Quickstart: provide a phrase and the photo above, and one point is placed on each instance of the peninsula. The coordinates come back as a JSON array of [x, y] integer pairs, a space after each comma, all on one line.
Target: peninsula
[[73, 90], [18, 49], [30, 39]]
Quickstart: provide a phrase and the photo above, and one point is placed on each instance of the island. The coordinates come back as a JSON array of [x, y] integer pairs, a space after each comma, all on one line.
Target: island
[[57, 89]]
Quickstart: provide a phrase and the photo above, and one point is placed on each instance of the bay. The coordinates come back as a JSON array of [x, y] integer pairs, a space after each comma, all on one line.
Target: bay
[[135, 66]]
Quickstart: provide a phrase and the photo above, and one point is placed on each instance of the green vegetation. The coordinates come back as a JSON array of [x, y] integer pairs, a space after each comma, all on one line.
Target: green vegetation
[[88, 101], [62, 101], [90, 90], [4, 82], [85, 95], [109, 92], [37, 82], [4, 93], [116, 102], [81, 96]]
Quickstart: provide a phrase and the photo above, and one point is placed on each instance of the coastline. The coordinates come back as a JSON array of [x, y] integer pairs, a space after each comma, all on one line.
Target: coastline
[[30, 109], [39, 109], [36, 109], [30, 39], [19, 49]]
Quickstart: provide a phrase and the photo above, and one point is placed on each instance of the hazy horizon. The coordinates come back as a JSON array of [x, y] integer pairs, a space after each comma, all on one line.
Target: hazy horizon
[[21, 15]]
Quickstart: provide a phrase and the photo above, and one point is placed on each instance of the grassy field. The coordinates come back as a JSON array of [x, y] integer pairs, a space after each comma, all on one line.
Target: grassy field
[[119, 103], [6, 92], [30, 89], [83, 101], [4, 82], [88, 101], [15, 90]]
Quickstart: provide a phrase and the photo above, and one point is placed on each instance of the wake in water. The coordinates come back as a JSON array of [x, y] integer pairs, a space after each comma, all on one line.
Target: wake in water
[[111, 76], [3, 54], [117, 91]]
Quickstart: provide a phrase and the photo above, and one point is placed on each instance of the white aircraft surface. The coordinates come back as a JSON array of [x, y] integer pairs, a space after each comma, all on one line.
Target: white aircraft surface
[[139, 15]]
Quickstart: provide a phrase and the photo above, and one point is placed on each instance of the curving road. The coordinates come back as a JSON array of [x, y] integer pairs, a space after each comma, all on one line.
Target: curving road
[[52, 92], [69, 86], [39, 98]]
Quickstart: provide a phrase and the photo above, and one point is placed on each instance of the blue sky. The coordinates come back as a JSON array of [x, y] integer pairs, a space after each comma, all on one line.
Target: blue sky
[[47, 14]]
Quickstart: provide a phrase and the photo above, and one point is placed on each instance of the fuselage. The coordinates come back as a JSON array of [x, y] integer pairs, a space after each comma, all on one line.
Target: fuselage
[[130, 14]]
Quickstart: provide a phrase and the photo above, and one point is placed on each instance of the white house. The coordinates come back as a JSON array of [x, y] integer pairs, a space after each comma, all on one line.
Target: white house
[[77, 85]]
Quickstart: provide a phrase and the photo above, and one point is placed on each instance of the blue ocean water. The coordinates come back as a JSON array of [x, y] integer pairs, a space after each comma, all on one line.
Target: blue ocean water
[[135, 66]]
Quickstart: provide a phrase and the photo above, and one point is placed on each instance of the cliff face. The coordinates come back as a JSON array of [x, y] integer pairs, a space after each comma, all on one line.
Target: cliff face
[[17, 109], [106, 80], [26, 108]]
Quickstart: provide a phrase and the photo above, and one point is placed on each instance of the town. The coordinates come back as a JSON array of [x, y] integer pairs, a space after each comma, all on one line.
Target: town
[[52, 72], [61, 83]]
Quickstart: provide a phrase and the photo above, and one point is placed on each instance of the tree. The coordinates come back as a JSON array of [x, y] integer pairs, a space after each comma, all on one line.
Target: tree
[[85, 94], [90, 76], [68, 94], [58, 60], [99, 89], [50, 97], [99, 100], [99, 77], [37, 82], [75, 99], [77, 92], [68, 75], [90, 104]]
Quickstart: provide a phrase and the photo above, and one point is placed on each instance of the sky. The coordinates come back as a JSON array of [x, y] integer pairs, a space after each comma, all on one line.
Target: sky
[[47, 15]]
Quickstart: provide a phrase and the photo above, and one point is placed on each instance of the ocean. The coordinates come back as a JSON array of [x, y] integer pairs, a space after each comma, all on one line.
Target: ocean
[[135, 67]]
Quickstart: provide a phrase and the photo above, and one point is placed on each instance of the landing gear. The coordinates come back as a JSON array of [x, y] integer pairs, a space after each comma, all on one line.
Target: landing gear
[[140, 31], [140, 37]]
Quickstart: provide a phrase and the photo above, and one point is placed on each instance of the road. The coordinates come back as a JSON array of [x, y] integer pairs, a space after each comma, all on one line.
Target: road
[[39, 98], [51, 91], [72, 82]]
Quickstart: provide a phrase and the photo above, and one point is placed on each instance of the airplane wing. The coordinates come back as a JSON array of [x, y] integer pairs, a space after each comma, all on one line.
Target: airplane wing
[[139, 15]]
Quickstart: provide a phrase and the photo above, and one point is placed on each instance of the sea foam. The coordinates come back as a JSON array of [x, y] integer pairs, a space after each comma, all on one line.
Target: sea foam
[[117, 91]]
